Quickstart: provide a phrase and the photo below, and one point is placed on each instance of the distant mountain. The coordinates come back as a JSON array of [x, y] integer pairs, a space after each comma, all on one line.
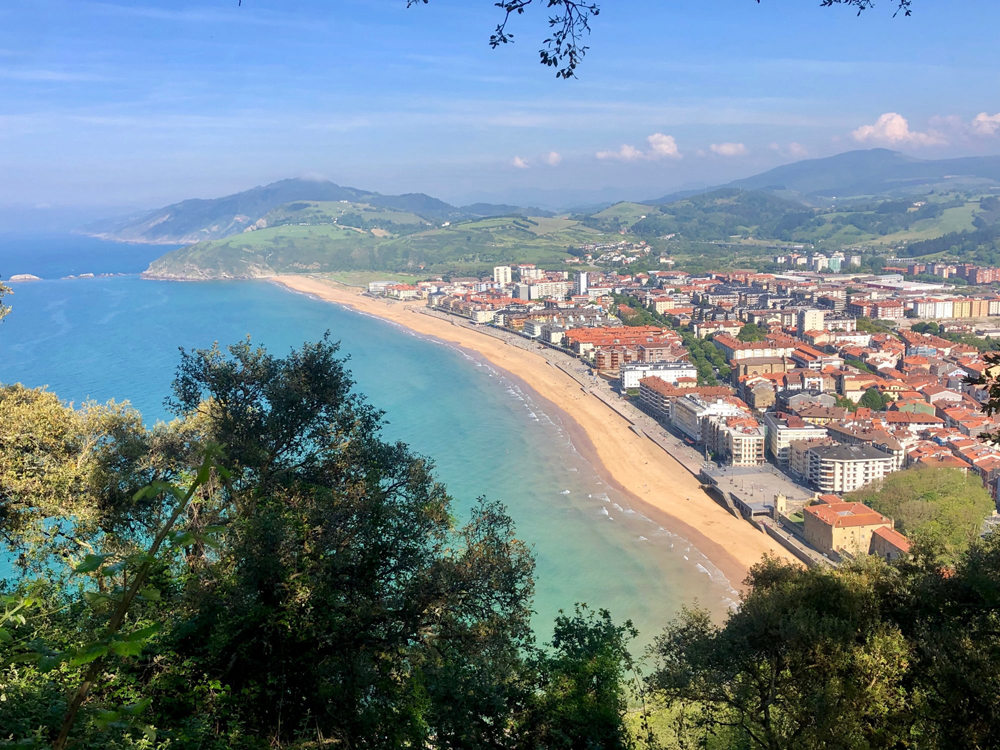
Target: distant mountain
[[853, 174], [875, 172], [202, 220], [485, 210]]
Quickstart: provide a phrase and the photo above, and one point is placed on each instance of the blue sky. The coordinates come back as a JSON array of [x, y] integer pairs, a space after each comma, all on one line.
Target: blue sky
[[114, 104]]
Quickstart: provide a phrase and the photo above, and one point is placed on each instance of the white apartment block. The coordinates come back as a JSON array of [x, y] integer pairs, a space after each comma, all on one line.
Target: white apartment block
[[631, 373], [502, 275], [689, 413], [782, 431]]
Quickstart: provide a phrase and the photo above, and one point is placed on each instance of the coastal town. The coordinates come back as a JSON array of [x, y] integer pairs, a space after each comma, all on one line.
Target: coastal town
[[782, 393]]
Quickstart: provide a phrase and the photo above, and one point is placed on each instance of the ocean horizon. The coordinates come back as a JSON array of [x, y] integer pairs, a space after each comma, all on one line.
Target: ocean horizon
[[118, 337]]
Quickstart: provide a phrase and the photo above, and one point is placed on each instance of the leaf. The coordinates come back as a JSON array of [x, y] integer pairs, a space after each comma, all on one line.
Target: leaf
[[48, 663], [104, 718], [90, 563], [182, 538], [146, 633], [138, 707], [5, 637], [88, 654], [149, 732], [96, 597], [126, 648], [28, 657], [151, 593]]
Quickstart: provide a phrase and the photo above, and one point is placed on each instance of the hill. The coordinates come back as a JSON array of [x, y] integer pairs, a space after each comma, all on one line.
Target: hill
[[864, 173], [373, 239], [200, 220], [875, 172]]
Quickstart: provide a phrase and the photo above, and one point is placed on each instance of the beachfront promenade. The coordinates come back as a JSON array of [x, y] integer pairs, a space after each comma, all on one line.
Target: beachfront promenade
[[744, 492]]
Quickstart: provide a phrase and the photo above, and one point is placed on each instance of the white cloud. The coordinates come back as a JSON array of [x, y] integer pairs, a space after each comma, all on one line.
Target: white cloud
[[728, 149], [892, 128], [553, 158], [520, 162], [984, 124], [793, 149], [660, 147], [625, 153], [663, 146]]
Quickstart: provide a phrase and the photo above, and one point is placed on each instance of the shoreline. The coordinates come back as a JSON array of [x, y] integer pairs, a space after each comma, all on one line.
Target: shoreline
[[602, 437]]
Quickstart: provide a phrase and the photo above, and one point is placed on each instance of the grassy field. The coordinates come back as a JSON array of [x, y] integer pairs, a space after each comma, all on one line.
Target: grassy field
[[952, 220], [626, 213]]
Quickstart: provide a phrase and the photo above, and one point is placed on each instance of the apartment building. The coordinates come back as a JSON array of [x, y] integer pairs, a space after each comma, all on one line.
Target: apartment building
[[630, 374], [783, 429], [690, 412], [841, 468]]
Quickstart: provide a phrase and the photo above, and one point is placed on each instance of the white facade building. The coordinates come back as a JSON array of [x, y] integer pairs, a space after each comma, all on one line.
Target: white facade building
[[630, 374], [502, 275]]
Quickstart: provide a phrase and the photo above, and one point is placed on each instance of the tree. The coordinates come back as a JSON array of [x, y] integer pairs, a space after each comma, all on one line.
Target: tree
[[338, 599], [808, 661], [583, 699], [944, 508], [4, 309], [873, 400], [752, 332], [870, 654], [569, 22]]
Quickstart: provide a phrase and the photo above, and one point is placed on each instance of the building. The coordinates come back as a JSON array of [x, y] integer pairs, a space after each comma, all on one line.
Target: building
[[502, 275], [581, 285], [783, 429], [888, 543], [656, 397], [841, 468], [738, 440], [689, 413], [810, 320], [631, 373], [842, 528]]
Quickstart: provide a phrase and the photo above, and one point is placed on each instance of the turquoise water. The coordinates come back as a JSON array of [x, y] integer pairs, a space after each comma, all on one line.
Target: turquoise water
[[118, 337]]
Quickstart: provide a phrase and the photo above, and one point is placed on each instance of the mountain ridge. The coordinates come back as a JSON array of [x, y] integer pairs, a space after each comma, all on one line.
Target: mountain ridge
[[196, 220]]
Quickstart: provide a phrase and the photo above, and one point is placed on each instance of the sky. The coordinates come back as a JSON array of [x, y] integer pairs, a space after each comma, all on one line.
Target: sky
[[114, 105]]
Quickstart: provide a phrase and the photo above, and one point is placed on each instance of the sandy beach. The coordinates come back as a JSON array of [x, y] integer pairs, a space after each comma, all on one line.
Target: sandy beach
[[634, 465]]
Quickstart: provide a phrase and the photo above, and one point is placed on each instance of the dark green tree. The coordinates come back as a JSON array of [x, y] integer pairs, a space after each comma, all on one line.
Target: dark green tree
[[583, 697], [873, 400], [752, 332]]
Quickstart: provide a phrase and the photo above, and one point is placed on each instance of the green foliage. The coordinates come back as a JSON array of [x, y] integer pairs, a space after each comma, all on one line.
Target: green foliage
[[867, 325], [583, 699], [808, 661], [319, 591], [941, 507], [4, 309], [868, 655], [752, 332], [874, 400], [845, 403]]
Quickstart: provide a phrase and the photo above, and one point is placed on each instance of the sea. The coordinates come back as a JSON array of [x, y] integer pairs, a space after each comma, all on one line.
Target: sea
[[116, 336]]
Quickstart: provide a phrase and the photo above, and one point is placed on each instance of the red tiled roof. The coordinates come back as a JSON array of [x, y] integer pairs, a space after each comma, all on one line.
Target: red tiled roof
[[841, 515]]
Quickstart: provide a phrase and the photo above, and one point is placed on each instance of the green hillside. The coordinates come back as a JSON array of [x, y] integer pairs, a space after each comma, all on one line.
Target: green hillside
[[720, 215], [363, 216], [204, 219], [305, 239]]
